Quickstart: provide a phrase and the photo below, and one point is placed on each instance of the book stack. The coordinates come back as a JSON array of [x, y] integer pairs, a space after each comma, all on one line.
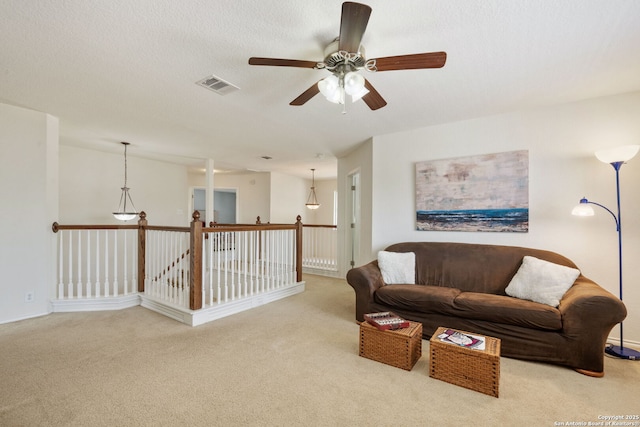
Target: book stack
[[463, 340], [386, 320]]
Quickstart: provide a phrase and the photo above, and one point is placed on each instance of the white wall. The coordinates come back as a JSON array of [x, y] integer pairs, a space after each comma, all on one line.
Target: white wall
[[324, 191], [288, 196], [562, 168], [90, 183], [275, 197], [358, 161], [28, 189]]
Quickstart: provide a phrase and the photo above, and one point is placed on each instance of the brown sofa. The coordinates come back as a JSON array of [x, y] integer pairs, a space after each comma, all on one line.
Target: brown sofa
[[462, 286]]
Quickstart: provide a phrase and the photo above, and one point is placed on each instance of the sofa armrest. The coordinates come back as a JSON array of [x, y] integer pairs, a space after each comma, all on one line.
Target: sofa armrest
[[590, 311], [364, 280]]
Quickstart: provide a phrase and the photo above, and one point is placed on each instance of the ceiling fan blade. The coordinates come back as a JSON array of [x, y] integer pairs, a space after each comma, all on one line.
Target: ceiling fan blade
[[411, 62], [353, 23], [373, 99], [306, 95], [282, 62]]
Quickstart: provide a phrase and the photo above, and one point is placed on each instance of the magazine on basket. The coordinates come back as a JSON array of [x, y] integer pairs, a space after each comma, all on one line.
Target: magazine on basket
[[462, 339], [386, 320]]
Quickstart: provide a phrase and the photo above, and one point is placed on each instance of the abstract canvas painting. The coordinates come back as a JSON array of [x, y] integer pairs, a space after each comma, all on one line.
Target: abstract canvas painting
[[479, 193]]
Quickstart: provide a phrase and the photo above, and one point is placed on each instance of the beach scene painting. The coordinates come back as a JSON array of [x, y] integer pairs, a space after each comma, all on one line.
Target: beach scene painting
[[487, 192]]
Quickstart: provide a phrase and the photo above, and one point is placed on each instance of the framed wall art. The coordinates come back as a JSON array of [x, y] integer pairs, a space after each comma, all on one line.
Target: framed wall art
[[487, 192]]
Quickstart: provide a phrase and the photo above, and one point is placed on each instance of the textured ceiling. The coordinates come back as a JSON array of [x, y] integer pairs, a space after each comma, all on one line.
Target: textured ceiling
[[125, 70]]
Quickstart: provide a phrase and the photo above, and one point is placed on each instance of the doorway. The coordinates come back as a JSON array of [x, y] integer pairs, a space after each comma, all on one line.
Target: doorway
[[224, 202], [353, 203]]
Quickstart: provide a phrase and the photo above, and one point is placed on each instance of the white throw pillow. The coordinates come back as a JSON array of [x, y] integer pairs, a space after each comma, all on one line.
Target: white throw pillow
[[397, 267], [541, 281]]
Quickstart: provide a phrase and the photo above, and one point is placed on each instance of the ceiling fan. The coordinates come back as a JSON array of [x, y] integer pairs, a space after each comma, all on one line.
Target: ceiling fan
[[345, 56]]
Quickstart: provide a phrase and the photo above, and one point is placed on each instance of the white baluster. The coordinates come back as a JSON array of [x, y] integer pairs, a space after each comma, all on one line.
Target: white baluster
[[166, 263], [218, 267], [251, 262], [210, 267], [106, 263], [275, 252], [292, 259], [97, 285], [79, 263], [231, 250], [183, 266], [60, 266], [134, 264], [124, 265], [115, 262], [245, 238], [161, 257], [70, 278], [224, 266], [174, 277], [270, 254], [262, 249], [156, 263], [151, 263], [88, 285]]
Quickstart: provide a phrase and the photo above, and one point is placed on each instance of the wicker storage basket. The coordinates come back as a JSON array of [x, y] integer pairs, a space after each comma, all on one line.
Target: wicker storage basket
[[400, 348], [478, 370]]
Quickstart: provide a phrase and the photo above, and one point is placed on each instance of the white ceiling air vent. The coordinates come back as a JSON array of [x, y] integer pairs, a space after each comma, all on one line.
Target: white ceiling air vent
[[217, 85]]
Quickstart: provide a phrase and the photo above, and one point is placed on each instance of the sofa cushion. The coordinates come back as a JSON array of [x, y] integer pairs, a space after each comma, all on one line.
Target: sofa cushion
[[419, 298], [397, 267], [507, 310], [541, 281], [471, 267]]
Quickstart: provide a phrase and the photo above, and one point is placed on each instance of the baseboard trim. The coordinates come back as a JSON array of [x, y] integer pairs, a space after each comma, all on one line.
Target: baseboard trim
[[321, 272], [101, 304], [214, 312], [627, 343]]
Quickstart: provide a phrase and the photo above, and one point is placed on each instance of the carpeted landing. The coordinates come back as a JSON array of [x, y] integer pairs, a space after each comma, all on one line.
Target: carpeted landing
[[293, 362]]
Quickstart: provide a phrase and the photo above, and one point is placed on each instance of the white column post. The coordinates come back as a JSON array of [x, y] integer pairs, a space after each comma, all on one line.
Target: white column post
[[208, 198]]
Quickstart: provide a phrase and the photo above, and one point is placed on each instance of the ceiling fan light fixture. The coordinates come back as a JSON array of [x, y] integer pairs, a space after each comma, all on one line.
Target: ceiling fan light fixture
[[358, 95], [345, 56], [328, 85], [330, 88], [353, 83], [337, 97]]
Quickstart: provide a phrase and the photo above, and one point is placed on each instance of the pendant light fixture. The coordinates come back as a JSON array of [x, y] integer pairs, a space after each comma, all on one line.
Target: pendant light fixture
[[312, 201], [125, 213]]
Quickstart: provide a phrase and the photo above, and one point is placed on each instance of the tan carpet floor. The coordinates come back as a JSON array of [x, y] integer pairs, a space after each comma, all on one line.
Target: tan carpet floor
[[293, 362]]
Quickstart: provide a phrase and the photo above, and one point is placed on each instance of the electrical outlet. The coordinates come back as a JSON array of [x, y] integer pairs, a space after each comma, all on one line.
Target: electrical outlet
[[29, 297]]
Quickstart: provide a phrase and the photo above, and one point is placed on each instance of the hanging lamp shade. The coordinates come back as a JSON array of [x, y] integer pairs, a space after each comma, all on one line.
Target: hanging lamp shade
[[583, 208], [126, 210], [312, 200]]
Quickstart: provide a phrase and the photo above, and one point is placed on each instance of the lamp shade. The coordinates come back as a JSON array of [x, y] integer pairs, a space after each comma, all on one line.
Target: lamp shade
[[124, 216], [329, 86], [618, 154], [353, 83], [582, 209]]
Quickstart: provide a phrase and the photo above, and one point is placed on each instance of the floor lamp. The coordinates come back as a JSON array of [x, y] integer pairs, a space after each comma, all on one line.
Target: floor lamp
[[616, 157]]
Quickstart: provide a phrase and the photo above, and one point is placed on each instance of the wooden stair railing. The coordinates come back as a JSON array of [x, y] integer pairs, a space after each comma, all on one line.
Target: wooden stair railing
[[197, 234]]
